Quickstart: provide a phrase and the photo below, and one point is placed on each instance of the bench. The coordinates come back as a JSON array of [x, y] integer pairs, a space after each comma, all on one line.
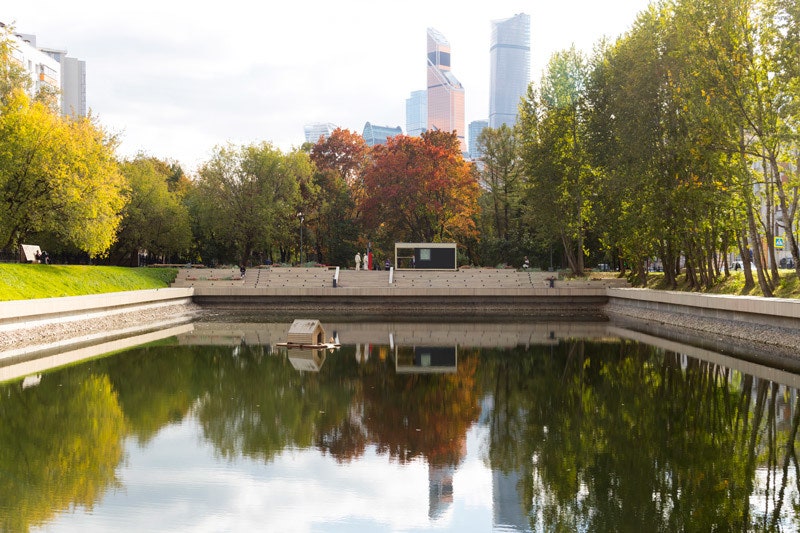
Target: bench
[[29, 253]]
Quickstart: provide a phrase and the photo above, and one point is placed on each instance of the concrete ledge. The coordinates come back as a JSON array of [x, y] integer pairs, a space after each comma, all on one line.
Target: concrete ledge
[[208, 293], [17, 313], [364, 303], [776, 312]]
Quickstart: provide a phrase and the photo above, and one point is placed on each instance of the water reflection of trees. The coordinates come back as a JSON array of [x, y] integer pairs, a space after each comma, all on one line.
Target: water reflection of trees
[[60, 445], [619, 436], [258, 406], [602, 436]]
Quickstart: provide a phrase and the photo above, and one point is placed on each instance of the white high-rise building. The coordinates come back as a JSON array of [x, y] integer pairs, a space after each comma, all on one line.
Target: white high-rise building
[[73, 82], [510, 64], [50, 68]]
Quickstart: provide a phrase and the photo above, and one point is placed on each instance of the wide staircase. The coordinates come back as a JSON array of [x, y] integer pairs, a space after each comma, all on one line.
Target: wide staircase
[[209, 277], [301, 277], [470, 278]]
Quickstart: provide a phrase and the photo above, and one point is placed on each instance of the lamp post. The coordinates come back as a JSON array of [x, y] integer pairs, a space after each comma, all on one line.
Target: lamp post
[[301, 217]]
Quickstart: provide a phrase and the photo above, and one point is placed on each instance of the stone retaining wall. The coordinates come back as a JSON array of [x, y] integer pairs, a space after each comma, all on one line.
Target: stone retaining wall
[[27, 325]]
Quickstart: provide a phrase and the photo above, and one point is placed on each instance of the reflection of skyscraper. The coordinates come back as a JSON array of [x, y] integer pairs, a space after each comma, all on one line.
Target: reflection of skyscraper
[[416, 113], [510, 64], [445, 92], [508, 513], [440, 490]]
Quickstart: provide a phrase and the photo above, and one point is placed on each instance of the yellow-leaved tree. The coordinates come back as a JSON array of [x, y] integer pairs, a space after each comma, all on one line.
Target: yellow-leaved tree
[[58, 176]]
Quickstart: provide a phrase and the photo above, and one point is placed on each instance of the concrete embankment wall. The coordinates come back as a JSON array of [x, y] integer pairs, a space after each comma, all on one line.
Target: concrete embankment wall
[[29, 313], [773, 312], [414, 303], [733, 323], [34, 328], [765, 330]]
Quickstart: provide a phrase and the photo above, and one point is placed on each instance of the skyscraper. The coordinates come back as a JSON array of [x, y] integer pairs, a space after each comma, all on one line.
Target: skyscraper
[[475, 129], [374, 134], [417, 113], [445, 92], [510, 60], [316, 130]]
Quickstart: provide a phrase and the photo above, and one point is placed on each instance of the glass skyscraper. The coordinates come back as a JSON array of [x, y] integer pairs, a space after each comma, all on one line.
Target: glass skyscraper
[[445, 92], [475, 129], [416, 113], [510, 64], [374, 134], [314, 131]]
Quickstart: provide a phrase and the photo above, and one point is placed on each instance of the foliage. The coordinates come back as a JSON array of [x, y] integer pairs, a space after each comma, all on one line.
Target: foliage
[[154, 218], [420, 189], [245, 200], [23, 281], [339, 162], [504, 236], [60, 445], [552, 130], [57, 176], [13, 75]]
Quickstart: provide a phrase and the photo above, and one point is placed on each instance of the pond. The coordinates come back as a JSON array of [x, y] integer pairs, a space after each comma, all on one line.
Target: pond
[[405, 427]]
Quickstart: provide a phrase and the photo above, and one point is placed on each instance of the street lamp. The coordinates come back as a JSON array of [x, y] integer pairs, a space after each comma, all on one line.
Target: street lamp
[[301, 217]]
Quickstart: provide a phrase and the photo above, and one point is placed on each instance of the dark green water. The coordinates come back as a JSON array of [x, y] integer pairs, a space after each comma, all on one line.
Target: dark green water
[[552, 433]]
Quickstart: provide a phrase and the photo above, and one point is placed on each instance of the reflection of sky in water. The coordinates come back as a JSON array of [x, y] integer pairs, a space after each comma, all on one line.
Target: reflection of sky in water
[[176, 484]]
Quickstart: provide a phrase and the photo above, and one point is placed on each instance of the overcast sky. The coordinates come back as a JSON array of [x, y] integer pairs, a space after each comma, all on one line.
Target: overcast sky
[[174, 78]]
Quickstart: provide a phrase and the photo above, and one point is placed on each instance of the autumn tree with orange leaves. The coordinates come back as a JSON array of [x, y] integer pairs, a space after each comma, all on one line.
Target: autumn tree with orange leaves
[[420, 189], [339, 161]]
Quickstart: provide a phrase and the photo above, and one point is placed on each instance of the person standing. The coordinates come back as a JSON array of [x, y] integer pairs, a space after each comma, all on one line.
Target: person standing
[[358, 261]]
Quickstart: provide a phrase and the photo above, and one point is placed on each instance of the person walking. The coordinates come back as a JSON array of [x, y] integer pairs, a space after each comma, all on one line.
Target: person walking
[[358, 261]]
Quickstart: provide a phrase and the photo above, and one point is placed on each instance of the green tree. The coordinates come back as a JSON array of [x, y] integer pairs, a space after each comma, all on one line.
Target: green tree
[[246, 200], [503, 234], [553, 147], [12, 72], [154, 218]]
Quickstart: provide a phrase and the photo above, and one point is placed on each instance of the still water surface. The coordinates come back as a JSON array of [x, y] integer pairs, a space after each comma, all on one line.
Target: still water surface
[[463, 427]]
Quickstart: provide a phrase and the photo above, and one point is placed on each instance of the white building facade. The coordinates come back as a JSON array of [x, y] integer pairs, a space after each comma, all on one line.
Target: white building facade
[[52, 70]]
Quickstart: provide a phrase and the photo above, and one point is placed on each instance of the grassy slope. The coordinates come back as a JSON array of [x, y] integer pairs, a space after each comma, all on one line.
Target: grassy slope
[[786, 287], [25, 281]]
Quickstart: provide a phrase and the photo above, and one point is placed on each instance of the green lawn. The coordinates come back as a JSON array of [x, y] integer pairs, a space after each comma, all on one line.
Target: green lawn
[[786, 287], [25, 281]]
